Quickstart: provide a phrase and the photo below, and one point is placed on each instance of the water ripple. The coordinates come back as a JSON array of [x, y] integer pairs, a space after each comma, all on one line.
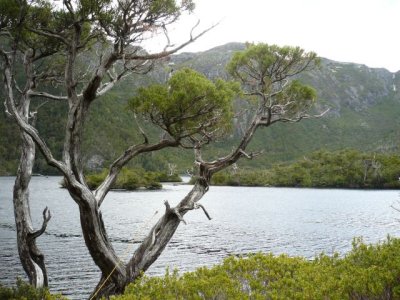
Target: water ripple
[[245, 220]]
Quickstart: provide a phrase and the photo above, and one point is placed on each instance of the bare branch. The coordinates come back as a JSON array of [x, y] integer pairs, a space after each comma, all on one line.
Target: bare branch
[[31, 131], [194, 27], [46, 219], [47, 95], [17, 87], [254, 93], [162, 54], [50, 34], [117, 165], [146, 140], [68, 5], [6, 109], [168, 45], [245, 154], [198, 205], [302, 116], [251, 155]]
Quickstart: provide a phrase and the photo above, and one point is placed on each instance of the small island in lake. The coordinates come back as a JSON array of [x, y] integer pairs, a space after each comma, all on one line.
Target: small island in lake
[[131, 180]]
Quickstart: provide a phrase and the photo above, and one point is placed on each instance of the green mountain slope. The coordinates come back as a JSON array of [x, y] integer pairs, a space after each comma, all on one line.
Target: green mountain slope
[[364, 108]]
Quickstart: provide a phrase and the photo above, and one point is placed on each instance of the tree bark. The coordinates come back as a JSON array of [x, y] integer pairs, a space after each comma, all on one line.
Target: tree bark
[[31, 258], [153, 244], [160, 235], [97, 241]]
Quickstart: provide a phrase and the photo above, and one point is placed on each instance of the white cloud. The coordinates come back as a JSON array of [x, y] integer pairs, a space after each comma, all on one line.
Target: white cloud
[[361, 31]]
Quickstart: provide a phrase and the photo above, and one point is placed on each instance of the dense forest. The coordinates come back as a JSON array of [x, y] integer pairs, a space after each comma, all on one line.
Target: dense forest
[[364, 109]]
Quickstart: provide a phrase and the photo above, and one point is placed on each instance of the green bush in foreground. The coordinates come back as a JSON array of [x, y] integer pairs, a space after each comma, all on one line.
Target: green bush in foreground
[[366, 272], [25, 291]]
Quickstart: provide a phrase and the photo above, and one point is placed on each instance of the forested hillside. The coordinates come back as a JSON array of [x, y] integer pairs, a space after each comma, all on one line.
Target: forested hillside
[[364, 108]]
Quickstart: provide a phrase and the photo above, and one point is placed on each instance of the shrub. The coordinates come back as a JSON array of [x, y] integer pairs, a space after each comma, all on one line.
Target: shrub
[[164, 177], [366, 272], [25, 291], [131, 179]]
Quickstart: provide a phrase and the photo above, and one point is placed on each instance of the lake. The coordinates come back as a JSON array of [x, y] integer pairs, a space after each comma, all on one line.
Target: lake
[[280, 220]]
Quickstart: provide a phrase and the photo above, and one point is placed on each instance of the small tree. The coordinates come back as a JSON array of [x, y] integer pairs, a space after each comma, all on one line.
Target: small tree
[[265, 73], [190, 109]]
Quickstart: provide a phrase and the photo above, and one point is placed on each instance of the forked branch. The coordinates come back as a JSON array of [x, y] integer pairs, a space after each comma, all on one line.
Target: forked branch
[[46, 219]]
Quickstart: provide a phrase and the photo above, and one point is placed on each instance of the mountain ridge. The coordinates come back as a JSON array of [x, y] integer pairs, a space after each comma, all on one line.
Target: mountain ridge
[[364, 107], [236, 46]]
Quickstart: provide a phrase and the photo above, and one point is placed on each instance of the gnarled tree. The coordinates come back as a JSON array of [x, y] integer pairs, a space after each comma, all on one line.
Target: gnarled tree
[[191, 110], [34, 31], [20, 48], [265, 73]]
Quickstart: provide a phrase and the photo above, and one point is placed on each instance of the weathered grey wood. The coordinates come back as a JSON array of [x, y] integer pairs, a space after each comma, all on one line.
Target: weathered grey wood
[[31, 257]]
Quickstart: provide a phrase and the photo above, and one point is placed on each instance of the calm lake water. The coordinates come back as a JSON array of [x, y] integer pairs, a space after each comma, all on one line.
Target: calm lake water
[[280, 220]]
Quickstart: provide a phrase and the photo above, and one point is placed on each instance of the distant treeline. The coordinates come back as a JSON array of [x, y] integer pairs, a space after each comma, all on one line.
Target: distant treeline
[[340, 169], [133, 179]]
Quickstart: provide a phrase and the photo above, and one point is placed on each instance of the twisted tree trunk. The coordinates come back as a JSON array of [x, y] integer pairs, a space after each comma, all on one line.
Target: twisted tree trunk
[[152, 246], [31, 258]]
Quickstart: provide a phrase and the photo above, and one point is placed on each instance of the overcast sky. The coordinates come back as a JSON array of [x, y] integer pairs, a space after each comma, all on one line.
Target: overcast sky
[[360, 31]]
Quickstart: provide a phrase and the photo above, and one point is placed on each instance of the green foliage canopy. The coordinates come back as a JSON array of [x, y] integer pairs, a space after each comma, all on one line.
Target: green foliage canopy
[[267, 71], [188, 106], [269, 63]]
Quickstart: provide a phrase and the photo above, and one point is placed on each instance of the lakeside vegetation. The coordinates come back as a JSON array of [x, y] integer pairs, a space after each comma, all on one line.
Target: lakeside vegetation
[[131, 180], [25, 291], [134, 179], [366, 272], [347, 168], [323, 169]]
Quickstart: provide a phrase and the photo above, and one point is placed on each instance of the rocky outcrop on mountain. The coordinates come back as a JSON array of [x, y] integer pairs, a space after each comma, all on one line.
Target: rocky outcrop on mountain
[[351, 85]]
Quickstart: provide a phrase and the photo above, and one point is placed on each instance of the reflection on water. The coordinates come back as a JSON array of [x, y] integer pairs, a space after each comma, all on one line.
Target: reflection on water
[[282, 220]]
